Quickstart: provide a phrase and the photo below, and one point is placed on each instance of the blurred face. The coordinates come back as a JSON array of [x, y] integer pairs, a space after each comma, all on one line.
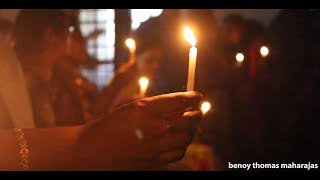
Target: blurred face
[[54, 44], [55, 40], [235, 36], [148, 62], [231, 34], [76, 46]]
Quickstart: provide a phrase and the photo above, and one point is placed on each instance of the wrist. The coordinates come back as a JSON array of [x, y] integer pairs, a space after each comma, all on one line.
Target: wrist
[[73, 157], [85, 154], [23, 149], [81, 152], [52, 148]]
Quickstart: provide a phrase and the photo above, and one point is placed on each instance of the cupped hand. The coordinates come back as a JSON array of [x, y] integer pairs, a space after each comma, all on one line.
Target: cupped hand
[[141, 135]]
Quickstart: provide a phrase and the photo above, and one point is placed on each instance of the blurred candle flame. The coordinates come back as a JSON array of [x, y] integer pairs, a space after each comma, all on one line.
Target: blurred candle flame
[[264, 51], [205, 107], [131, 44], [239, 57], [188, 34], [143, 82]]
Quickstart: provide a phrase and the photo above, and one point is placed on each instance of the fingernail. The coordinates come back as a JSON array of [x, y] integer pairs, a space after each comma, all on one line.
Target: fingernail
[[188, 109], [198, 94]]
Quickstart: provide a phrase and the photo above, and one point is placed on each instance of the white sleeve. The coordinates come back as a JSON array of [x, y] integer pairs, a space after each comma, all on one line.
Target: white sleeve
[[13, 90]]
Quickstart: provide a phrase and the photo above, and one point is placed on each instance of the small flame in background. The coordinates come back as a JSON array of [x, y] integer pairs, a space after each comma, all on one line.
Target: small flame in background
[[239, 57], [205, 107], [264, 51], [131, 44], [143, 82]]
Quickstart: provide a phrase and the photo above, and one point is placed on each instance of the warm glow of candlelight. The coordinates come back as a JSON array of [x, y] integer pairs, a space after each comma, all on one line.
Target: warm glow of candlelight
[[239, 57], [71, 28], [131, 44], [264, 51], [143, 82], [205, 107], [188, 34], [139, 134]]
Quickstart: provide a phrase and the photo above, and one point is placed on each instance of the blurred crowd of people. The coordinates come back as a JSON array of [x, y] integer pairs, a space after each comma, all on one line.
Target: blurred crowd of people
[[264, 104]]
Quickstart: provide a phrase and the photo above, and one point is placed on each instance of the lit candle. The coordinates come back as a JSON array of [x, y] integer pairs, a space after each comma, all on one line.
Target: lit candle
[[239, 59], [143, 82], [131, 44], [264, 51], [192, 57], [205, 107]]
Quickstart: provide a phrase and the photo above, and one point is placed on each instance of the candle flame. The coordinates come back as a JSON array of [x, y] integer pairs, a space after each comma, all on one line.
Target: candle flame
[[239, 57], [205, 107], [143, 82], [264, 51], [131, 44], [188, 34]]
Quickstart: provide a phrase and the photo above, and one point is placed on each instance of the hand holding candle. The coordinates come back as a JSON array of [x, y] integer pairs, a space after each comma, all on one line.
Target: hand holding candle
[[131, 44], [192, 57], [143, 82]]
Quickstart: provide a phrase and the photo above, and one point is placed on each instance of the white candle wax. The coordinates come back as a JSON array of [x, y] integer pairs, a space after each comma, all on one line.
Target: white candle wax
[[188, 34], [192, 68]]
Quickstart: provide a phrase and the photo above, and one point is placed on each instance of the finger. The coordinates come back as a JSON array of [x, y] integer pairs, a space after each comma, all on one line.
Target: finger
[[150, 150], [155, 127], [158, 126], [169, 141], [177, 113], [171, 156], [173, 102], [189, 121]]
